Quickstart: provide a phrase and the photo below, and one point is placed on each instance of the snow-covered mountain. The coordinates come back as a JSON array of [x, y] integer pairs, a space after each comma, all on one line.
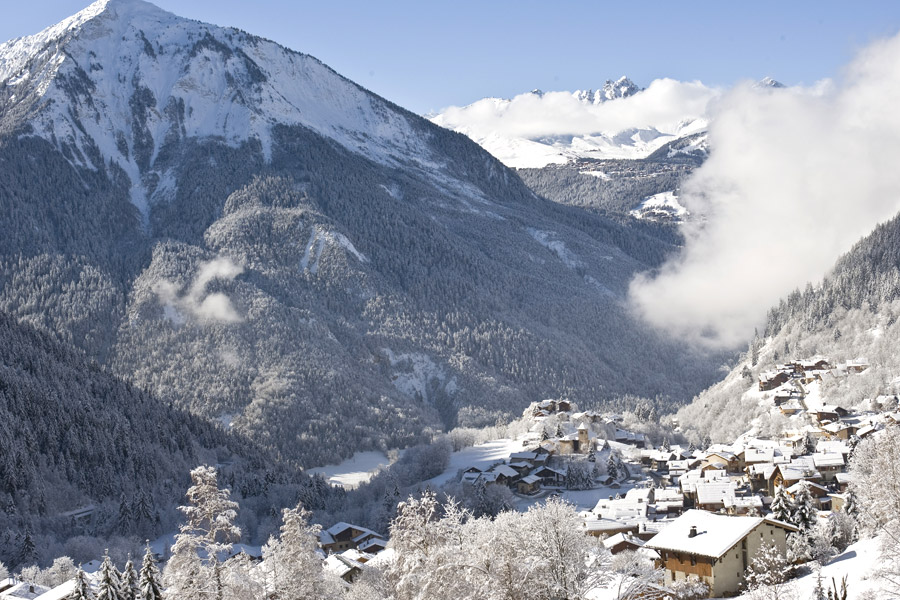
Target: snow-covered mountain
[[239, 229], [617, 121], [103, 92]]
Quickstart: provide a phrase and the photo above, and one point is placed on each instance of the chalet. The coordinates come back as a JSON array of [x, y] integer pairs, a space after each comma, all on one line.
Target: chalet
[[548, 407], [744, 505], [373, 545], [504, 475], [342, 536], [678, 468], [790, 408], [24, 591], [840, 431], [759, 476], [630, 438], [787, 475], [866, 430], [716, 548], [857, 366], [533, 458], [521, 467], [711, 496], [753, 456], [812, 364], [621, 542], [344, 567], [843, 481], [818, 492], [530, 484], [550, 476], [838, 501], [729, 460], [772, 379], [604, 527], [360, 557], [825, 414], [668, 501], [660, 459], [622, 509], [829, 465]]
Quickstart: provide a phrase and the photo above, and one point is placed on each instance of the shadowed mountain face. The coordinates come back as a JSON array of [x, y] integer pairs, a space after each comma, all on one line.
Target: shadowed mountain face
[[238, 228]]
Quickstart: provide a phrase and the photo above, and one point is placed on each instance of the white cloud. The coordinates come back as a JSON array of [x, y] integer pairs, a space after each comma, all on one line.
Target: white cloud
[[795, 177], [663, 105], [196, 303]]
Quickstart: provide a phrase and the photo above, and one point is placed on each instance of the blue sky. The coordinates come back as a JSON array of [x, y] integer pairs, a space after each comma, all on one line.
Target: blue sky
[[428, 55]]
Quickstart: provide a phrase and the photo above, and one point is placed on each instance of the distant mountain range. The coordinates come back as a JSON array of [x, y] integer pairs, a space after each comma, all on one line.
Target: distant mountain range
[[243, 232], [617, 121]]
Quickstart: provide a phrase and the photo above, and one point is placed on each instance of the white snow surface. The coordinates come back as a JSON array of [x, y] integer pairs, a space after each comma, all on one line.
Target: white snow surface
[[414, 373], [356, 470], [233, 87], [558, 247], [481, 456], [662, 203], [317, 241]]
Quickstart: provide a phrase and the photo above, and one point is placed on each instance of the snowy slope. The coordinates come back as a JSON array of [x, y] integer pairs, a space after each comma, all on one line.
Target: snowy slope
[[96, 83]]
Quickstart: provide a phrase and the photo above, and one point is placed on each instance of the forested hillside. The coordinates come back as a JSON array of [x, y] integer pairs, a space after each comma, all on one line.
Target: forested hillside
[[852, 315], [248, 235], [88, 458]]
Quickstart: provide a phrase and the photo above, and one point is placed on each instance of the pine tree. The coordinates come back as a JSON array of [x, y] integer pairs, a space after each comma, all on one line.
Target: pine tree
[[809, 444], [804, 513], [82, 589], [611, 468], [28, 552], [130, 588], [109, 586], [782, 508], [851, 507], [150, 587], [125, 521]]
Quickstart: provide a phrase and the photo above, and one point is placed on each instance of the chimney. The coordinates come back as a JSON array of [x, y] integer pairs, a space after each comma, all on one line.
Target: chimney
[[693, 532]]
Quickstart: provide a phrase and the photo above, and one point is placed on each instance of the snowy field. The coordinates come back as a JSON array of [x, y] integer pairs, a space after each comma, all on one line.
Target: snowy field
[[481, 456], [357, 469]]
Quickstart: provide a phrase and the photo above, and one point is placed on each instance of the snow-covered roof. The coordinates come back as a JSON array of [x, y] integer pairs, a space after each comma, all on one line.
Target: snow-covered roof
[[60, 592], [716, 534], [357, 555], [530, 479], [505, 470], [799, 485], [370, 545], [516, 456], [714, 493], [759, 455], [340, 565], [26, 590], [831, 459], [618, 538]]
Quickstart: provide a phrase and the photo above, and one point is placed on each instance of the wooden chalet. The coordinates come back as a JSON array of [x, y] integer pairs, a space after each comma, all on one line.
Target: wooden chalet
[[716, 548]]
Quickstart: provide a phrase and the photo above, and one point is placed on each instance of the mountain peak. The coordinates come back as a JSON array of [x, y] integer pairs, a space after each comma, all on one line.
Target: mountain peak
[[768, 83], [611, 90]]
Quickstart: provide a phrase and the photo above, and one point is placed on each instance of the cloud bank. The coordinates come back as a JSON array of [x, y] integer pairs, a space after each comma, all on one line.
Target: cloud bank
[[794, 178], [196, 303], [663, 105]]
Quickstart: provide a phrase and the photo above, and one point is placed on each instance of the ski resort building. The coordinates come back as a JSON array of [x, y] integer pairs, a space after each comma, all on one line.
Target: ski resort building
[[716, 548]]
